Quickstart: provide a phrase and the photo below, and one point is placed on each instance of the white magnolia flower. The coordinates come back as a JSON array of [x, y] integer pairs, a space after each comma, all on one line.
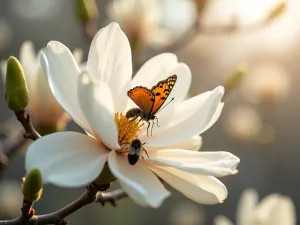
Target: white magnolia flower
[[243, 123], [187, 213], [274, 209], [152, 22], [45, 110], [11, 196], [97, 100], [139, 18], [266, 82], [5, 34]]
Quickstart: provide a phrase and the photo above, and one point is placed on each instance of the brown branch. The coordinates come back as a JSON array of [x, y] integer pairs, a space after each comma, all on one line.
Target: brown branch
[[177, 44], [9, 152], [27, 212], [3, 132], [25, 120], [90, 29], [110, 197], [92, 194], [232, 28], [30, 133]]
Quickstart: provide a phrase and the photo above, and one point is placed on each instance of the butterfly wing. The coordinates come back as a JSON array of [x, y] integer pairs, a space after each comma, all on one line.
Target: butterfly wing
[[142, 97], [161, 92]]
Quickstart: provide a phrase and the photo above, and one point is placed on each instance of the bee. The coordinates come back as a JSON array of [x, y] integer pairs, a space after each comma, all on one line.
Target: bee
[[150, 101], [135, 151]]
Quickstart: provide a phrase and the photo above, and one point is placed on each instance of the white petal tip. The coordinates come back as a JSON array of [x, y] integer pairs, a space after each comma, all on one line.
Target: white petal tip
[[27, 44], [220, 89], [117, 147], [54, 46], [114, 25], [234, 172], [160, 201]]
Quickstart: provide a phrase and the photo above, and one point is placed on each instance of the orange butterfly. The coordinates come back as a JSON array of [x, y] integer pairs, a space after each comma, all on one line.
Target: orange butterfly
[[150, 101]]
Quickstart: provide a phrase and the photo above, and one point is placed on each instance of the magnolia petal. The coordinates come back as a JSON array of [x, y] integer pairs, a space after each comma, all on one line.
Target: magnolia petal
[[193, 143], [222, 220], [97, 105], [45, 110], [274, 209], [190, 118], [199, 188], [78, 55], [29, 60], [216, 164], [155, 69], [138, 181], [3, 65], [66, 159], [109, 60], [246, 206], [215, 117], [63, 72]]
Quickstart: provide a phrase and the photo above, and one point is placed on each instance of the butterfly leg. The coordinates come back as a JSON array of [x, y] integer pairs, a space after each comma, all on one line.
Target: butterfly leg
[[134, 119], [157, 121], [152, 127], [148, 128]]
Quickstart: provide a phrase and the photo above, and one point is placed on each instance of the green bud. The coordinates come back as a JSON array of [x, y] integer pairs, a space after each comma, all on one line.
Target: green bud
[[33, 186], [16, 92], [276, 11], [201, 4], [86, 10], [234, 80], [106, 177], [46, 129]]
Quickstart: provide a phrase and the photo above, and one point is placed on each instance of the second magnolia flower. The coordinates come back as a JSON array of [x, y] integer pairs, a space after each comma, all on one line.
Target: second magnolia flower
[[97, 100]]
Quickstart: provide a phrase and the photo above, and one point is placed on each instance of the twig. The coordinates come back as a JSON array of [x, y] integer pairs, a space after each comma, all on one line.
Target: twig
[[13, 149], [30, 133], [110, 197], [27, 212], [185, 39], [177, 44], [3, 132], [90, 29], [232, 28], [58, 217], [25, 120], [3, 159], [8, 154]]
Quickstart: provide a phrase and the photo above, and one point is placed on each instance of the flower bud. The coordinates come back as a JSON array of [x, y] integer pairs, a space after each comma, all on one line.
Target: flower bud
[[276, 11], [201, 4], [86, 10], [106, 177], [16, 92], [234, 80], [33, 186]]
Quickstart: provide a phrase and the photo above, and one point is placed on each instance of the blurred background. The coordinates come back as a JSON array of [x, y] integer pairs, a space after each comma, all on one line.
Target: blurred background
[[260, 122]]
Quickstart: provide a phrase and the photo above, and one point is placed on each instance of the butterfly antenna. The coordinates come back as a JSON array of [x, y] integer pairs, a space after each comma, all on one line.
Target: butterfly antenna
[[165, 105]]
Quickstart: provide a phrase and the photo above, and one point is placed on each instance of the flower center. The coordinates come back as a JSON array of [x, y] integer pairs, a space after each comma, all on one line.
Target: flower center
[[127, 130]]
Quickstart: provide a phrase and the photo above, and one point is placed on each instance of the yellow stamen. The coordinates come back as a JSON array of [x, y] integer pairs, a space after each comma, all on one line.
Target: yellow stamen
[[127, 129]]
